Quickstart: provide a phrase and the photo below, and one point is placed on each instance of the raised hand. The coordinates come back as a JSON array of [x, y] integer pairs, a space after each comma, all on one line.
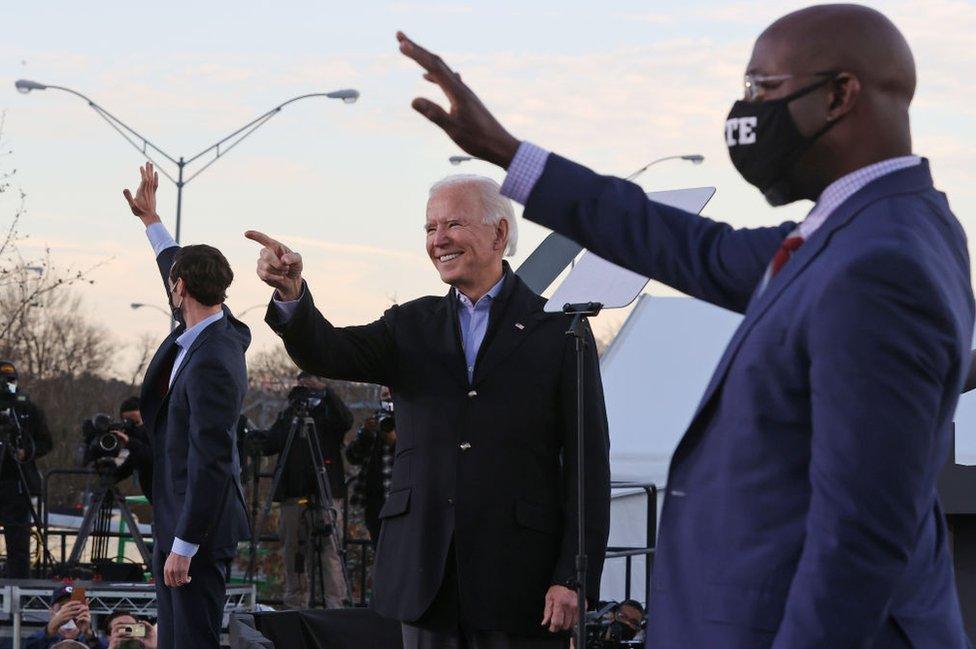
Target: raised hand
[[468, 122], [68, 611], [278, 266], [144, 204]]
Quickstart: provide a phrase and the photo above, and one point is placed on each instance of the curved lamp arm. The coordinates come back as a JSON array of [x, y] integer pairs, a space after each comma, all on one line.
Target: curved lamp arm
[[348, 96], [695, 158], [143, 145], [132, 136]]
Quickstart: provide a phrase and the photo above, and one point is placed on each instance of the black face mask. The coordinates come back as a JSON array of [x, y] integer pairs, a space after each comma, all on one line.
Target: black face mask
[[176, 309], [764, 143]]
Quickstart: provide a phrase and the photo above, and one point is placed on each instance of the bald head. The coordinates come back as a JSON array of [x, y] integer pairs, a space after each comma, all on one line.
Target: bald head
[[858, 114], [846, 37]]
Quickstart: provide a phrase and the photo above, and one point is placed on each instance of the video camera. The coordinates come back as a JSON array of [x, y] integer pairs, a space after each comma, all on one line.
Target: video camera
[[102, 446], [301, 397]]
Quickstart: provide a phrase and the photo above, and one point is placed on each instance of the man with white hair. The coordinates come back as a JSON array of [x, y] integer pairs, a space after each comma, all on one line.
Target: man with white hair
[[479, 531]]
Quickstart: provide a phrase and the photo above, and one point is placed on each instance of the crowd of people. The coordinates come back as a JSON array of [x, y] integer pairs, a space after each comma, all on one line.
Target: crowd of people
[[71, 626]]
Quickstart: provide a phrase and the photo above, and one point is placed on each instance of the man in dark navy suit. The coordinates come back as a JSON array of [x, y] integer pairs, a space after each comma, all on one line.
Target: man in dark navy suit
[[801, 508], [191, 399]]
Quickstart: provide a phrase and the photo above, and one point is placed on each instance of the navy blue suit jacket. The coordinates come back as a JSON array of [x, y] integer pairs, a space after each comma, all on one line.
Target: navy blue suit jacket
[[801, 506], [197, 492]]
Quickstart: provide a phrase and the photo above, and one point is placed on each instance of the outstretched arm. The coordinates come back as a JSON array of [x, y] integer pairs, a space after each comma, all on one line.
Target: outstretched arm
[[143, 205], [610, 216], [364, 353]]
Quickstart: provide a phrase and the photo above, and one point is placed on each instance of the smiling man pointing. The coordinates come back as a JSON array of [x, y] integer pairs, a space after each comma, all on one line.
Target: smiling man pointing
[[478, 536]]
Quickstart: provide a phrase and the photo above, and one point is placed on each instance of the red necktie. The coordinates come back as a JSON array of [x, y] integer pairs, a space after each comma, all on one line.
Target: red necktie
[[786, 250]]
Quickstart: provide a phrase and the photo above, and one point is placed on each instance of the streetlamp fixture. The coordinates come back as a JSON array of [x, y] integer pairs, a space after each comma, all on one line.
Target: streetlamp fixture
[[458, 159], [140, 305], [694, 158], [218, 149]]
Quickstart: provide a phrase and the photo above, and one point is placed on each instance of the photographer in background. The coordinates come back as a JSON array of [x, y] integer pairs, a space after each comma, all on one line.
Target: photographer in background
[[118, 448], [126, 631], [630, 616], [374, 449], [332, 421], [24, 437], [135, 438], [70, 620]]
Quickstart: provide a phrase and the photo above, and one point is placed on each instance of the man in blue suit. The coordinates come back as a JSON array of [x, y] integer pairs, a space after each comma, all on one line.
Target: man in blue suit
[[801, 506], [191, 399]]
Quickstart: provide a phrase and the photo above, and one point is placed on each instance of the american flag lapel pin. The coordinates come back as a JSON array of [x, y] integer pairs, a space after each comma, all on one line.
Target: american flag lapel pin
[[519, 326]]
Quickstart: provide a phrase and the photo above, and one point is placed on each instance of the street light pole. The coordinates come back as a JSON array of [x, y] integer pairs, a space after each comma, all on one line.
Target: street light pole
[[143, 145], [179, 197]]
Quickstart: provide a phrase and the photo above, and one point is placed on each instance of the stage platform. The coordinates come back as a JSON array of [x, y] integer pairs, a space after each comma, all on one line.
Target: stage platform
[[25, 603]]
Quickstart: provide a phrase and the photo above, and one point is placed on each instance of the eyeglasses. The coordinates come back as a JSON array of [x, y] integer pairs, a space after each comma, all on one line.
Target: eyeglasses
[[754, 85]]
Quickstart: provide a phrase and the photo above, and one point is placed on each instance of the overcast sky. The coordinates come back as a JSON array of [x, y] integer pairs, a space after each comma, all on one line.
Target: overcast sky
[[612, 85]]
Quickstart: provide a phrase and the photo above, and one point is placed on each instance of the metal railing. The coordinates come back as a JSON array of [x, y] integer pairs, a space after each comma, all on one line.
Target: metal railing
[[627, 553]]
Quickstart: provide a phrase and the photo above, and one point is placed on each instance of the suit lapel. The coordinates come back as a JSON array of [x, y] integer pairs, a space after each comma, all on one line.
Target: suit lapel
[[448, 348], [908, 180], [150, 399], [209, 331], [512, 319]]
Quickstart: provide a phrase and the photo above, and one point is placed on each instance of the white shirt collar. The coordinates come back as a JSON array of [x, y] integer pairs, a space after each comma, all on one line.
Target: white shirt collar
[[490, 295], [846, 186], [186, 339]]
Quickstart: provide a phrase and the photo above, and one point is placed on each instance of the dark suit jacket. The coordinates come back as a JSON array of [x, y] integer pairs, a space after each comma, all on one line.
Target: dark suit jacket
[[34, 425], [489, 463], [801, 508], [197, 492]]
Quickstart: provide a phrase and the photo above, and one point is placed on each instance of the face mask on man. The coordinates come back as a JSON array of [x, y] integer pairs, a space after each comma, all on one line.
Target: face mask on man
[[764, 143], [173, 306]]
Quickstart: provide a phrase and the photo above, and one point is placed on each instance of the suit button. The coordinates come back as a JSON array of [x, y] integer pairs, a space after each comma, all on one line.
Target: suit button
[[473, 393], [450, 501], [465, 446]]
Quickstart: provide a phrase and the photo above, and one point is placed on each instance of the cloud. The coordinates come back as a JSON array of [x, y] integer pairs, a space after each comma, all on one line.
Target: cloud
[[650, 18], [414, 8]]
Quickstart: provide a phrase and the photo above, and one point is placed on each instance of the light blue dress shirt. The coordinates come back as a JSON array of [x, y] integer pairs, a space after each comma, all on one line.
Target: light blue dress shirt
[[473, 319]]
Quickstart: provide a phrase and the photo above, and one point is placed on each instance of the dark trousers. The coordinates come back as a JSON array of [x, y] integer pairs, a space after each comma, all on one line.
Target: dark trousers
[[15, 518], [189, 616], [442, 625]]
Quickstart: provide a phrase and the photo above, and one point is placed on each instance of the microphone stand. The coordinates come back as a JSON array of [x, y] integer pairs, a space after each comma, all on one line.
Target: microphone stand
[[578, 328]]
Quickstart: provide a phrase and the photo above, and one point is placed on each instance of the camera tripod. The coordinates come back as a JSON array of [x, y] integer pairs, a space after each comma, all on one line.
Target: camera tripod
[[105, 496], [303, 426], [5, 448]]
